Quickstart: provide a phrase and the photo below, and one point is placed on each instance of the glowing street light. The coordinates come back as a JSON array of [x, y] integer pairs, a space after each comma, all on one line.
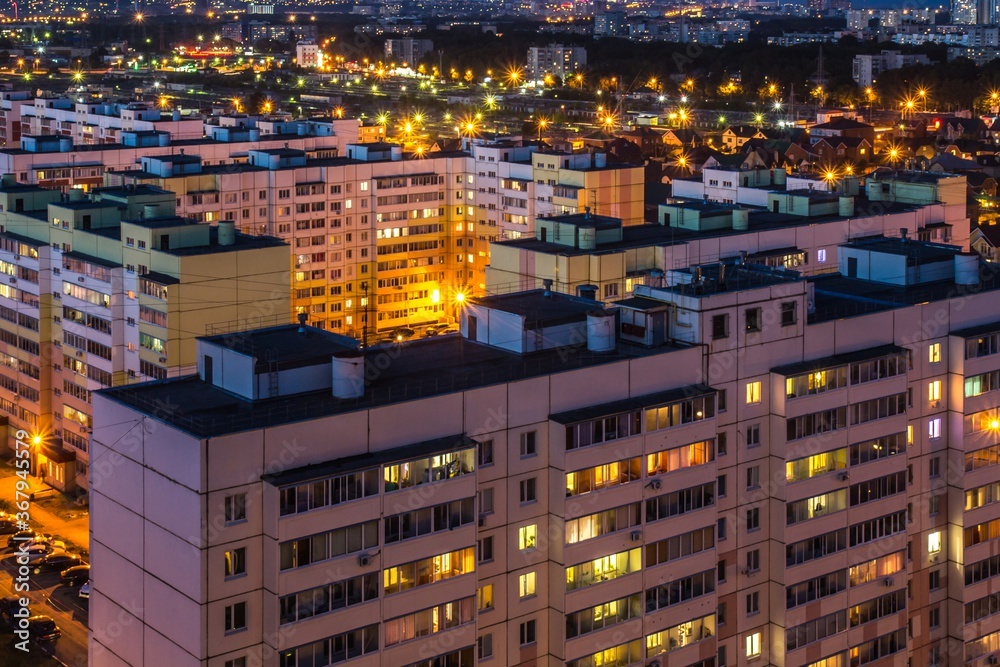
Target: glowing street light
[[542, 124]]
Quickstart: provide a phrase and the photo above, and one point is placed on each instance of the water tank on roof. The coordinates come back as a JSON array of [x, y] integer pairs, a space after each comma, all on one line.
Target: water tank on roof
[[780, 177], [396, 153], [741, 219], [349, 375], [600, 160], [601, 331], [164, 139], [967, 268], [150, 211], [254, 134], [65, 144], [227, 232], [846, 208], [176, 115], [77, 194], [588, 238]]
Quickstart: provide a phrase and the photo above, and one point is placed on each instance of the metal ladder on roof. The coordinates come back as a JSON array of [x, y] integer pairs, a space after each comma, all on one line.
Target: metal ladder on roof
[[272, 374]]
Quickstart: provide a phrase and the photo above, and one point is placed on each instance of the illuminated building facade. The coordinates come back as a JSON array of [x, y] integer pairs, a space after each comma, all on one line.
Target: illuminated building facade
[[739, 467], [107, 291]]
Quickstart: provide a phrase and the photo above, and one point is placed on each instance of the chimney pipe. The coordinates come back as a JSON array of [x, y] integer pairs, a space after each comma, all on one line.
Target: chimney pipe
[[302, 322], [547, 285]]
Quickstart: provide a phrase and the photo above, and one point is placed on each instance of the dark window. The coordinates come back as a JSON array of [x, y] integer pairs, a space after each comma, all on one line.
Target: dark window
[[788, 313], [720, 326]]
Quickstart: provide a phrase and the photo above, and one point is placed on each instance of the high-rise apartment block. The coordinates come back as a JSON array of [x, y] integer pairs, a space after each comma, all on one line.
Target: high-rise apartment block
[[110, 290], [381, 239], [740, 466], [555, 59], [867, 67], [407, 51]]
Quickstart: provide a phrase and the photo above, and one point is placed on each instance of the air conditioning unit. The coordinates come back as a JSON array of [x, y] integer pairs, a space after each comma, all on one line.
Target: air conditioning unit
[[844, 476], [482, 520], [364, 560], [163, 360], [79, 353], [635, 536], [887, 582], [655, 485], [13, 280], [81, 279], [935, 558]]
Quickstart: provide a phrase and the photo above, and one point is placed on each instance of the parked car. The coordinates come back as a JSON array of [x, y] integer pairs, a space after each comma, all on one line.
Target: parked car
[[435, 329], [75, 575], [8, 524], [36, 552], [8, 605], [43, 629], [58, 561], [20, 536], [57, 545], [85, 590]]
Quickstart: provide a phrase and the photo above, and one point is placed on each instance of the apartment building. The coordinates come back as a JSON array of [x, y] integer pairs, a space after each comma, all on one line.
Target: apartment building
[[740, 467], [349, 219], [98, 121], [867, 67], [555, 59], [407, 51], [795, 228], [112, 290], [11, 102], [55, 161]]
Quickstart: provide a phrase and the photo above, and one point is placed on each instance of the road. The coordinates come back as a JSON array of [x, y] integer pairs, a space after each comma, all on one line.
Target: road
[[50, 597]]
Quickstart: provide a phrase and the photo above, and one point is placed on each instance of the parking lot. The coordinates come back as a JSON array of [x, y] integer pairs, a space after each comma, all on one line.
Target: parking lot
[[51, 598]]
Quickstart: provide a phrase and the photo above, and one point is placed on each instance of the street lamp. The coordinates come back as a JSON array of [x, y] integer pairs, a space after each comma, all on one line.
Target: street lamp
[[542, 123]]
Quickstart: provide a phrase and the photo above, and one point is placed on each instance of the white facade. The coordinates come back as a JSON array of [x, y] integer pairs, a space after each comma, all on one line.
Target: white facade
[[308, 54]]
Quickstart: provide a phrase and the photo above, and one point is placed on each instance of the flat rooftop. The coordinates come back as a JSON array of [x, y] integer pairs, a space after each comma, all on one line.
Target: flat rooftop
[[174, 144], [241, 241], [910, 176], [540, 308], [657, 234], [839, 297], [915, 252], [586, 220], [287, 346], [730, 276], [418, 369]]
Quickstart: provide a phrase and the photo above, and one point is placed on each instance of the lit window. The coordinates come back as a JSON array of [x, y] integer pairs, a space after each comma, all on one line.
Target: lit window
[[821, 255], [934, 428], [934, 542], [526, 537], [753, 392], [753, 645], [934, 353], [909, 434], [484, 597], [934, 391], [526, 585]]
